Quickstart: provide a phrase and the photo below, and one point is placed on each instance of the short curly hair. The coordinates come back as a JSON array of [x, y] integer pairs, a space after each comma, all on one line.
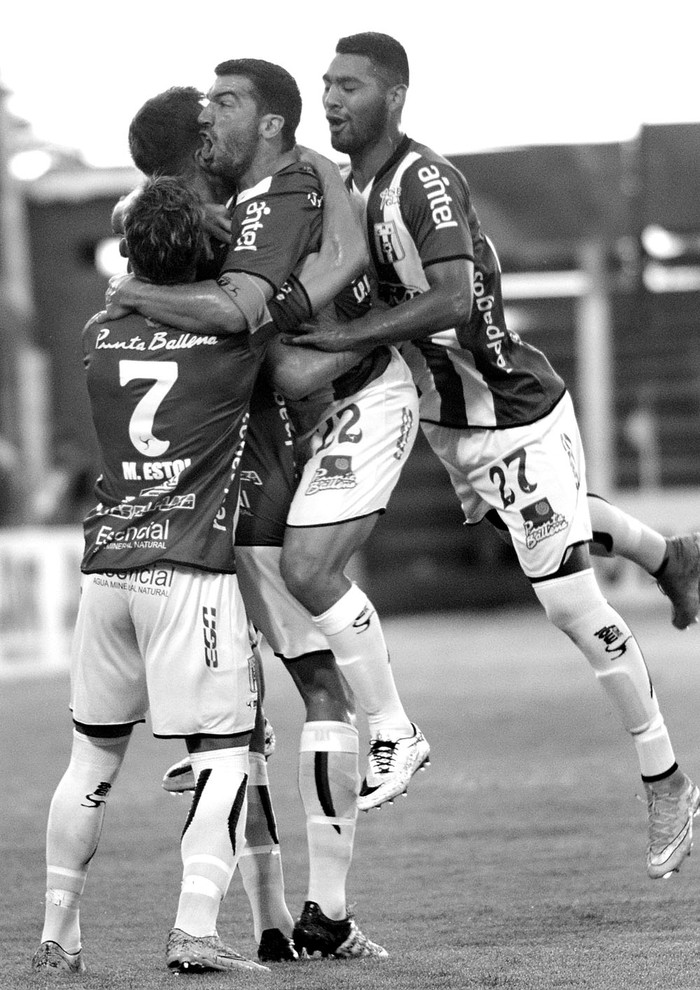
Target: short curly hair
[[164, 231]]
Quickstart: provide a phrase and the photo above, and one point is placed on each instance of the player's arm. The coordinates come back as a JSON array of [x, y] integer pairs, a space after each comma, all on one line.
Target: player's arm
[[446, 303], [240, 303], [297, 373], [343, 253], [201, 307]]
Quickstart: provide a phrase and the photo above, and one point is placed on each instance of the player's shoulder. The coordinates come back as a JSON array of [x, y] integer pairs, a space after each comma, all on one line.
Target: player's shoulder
[[297, 177], [424, 163]]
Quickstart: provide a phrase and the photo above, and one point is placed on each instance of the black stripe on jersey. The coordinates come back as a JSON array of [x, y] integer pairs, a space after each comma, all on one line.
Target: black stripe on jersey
[[448, 382], [323, 786]]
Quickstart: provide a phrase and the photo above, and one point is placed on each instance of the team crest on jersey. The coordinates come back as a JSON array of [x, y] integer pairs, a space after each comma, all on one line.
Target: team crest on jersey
[[390, 196], [541, 522], [387, 242], [335, 471]]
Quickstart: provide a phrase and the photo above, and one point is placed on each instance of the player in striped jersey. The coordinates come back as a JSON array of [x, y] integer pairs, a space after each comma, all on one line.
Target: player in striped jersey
[[493, 409]]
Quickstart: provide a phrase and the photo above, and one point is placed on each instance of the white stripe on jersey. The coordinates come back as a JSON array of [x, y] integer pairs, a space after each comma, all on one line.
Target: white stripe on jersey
[[478, 401]]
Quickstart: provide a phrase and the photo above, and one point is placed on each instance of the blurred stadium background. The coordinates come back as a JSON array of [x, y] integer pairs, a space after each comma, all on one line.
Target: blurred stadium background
[[600, 245]]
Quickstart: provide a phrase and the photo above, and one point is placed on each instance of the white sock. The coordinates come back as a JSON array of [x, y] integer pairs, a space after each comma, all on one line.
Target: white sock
[[260, 864], [329, 783], [576, 605], [73, 832], [355, 636], [213, 837], [624, 536]]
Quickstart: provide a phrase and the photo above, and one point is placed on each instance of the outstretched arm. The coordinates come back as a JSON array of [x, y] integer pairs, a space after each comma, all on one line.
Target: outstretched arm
[[446, 304]]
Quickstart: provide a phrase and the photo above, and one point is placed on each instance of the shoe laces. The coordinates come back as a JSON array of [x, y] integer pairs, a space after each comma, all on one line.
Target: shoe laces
[[381, 754], [664, 815]]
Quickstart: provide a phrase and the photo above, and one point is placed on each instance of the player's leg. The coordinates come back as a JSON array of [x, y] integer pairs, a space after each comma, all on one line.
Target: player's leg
[[535, 478], [356, 461], [674, 561], [202, 688], [211, 844], [108, 695], [328, 784], [328, 752], [314, 562], [74, 827], [260, 864], [574, 603]]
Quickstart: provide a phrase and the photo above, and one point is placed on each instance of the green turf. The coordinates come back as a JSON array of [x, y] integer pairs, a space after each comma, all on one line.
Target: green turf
[[516, 861]]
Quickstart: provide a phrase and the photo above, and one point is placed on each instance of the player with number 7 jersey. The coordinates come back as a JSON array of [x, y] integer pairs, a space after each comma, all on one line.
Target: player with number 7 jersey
[[171, 421]]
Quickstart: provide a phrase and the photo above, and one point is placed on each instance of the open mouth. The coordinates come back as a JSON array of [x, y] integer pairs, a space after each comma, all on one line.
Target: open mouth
[[335, 123], [206, 147]]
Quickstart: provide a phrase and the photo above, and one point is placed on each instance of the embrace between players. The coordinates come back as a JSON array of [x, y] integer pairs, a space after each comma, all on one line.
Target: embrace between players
[[242, 353]]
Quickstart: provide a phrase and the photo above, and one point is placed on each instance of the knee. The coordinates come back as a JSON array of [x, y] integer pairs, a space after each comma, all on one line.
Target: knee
[[568, 600], [298, 569]]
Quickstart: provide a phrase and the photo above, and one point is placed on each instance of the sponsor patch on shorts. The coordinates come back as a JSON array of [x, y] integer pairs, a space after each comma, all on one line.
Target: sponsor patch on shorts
[[335, 471], [541, 521]]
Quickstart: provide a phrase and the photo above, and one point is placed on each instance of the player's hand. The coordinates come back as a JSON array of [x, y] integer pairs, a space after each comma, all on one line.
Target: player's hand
[[217, 222], [114, 307], [324, 334]]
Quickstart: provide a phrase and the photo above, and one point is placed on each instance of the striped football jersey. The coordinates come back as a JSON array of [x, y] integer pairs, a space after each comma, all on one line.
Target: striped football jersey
[[419, 212]]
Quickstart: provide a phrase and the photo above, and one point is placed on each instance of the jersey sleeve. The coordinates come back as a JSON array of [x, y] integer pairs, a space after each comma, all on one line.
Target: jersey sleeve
[[277, 227], [435, 205]]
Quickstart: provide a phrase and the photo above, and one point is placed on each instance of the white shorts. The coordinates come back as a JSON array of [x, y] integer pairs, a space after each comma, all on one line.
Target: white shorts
[[358, 450], [284, 622], [535, 476], [172, 639]]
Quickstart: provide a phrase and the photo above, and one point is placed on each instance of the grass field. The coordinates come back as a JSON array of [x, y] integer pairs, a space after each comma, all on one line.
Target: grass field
[[516, 861]]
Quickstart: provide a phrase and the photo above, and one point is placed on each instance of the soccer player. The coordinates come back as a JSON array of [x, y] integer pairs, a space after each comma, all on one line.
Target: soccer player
[[492, 408], [161, 623], [164, 136], [360, 435]]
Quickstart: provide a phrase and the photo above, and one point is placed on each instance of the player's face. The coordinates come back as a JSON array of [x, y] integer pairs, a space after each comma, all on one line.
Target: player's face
[[229, 123], [355, 101]]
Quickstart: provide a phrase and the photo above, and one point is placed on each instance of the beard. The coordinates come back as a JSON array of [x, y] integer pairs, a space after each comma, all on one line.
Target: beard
[[360, 132], [225, 158]]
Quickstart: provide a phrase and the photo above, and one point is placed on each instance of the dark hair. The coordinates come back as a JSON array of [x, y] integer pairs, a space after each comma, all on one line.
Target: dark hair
[[276, 91], [164, 231], [388, 55], [164, 134]]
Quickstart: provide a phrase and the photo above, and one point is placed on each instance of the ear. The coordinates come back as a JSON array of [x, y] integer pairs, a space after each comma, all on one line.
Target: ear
[[396, 97], [271, 125]]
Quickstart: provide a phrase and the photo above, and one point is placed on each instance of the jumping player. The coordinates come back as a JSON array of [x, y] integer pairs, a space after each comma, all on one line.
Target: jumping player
[[492, 408]]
